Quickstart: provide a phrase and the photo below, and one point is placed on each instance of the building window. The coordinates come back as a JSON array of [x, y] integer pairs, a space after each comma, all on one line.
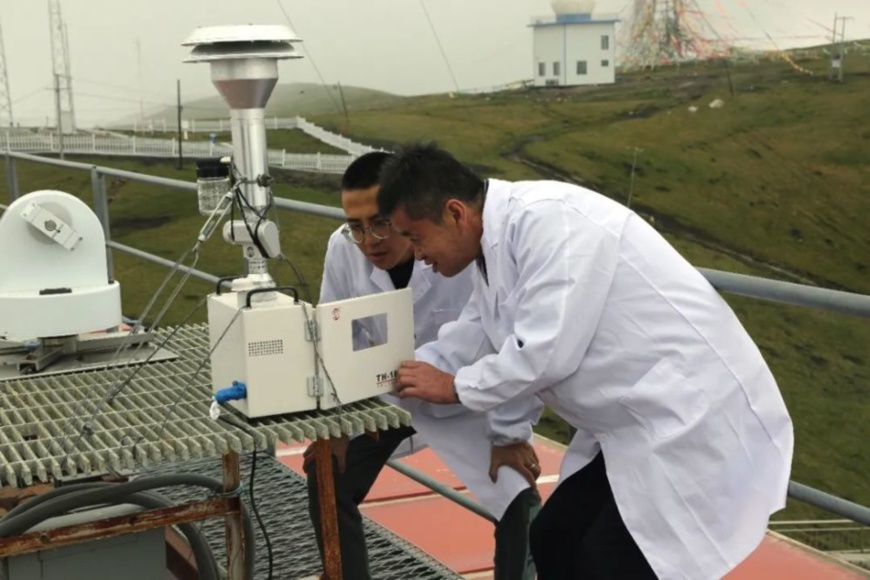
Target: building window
[[605, 63], [605, 42], [557, 66], [581, 67], [542, 69]]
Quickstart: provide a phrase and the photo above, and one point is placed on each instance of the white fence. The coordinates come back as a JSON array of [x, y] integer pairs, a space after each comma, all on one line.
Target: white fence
[[148, 147], [197, 126], [337, 141], [221, 125]]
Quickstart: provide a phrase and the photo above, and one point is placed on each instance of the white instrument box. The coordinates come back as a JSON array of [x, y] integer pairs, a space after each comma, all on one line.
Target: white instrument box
[[293, 357]]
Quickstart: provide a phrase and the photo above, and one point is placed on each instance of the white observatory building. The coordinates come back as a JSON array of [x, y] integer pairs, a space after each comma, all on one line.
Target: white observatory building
[[574, 47]]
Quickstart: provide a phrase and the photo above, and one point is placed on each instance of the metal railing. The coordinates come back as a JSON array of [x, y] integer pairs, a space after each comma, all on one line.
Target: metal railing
[[844, 539], [827, 535], [751, 286]]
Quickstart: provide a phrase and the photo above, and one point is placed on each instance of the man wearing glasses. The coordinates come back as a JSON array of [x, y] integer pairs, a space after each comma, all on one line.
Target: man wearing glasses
[[365, 257]]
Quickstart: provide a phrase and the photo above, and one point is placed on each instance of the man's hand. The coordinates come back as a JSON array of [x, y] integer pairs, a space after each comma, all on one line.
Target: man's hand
[[339, 450], [520, 457], [422, 380]]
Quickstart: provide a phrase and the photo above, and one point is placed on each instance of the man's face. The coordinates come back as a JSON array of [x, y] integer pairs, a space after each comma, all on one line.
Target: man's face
[[361, 208], [446, 246]]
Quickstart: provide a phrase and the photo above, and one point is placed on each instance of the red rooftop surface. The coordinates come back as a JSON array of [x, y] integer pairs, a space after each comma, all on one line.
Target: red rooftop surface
[[423, 518]]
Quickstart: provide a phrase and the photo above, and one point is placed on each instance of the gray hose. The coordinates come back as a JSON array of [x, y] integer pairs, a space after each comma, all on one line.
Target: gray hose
[[34, 512], [112, 494], [56, 492], [205, 561], [206, 565]]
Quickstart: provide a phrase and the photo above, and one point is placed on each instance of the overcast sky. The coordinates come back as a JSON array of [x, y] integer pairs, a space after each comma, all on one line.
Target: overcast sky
[[381, 44]]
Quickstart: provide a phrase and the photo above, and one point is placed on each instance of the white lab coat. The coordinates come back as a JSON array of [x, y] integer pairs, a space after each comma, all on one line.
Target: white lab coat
[[460, 437], [592, 310]]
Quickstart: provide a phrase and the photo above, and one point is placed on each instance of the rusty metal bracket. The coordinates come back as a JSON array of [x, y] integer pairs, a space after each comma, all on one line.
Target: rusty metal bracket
[[118, 526]]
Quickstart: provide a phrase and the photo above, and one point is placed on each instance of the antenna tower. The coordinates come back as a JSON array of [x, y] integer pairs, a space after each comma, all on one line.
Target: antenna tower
[[661, 32], [141, 81], [62, 78], [5, 95]]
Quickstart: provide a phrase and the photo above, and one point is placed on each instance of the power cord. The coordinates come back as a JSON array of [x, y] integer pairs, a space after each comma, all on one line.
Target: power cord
[[255, 233], [233, 421], [243, 202], [300, 279], [257, 512], [240, 199]]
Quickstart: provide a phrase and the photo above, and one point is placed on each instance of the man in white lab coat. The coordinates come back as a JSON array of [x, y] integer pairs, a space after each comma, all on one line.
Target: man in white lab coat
[[683, 445], [365, 257]]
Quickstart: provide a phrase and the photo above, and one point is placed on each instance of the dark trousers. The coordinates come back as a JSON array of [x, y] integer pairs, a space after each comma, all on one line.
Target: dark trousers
[[580, 535], [366, 457]]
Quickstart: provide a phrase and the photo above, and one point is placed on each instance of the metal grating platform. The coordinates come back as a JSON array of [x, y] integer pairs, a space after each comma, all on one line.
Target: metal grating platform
[[282, 501], [41, 417]]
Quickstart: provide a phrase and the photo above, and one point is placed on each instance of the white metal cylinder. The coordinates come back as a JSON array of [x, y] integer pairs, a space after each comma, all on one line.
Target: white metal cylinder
[[250, 154]]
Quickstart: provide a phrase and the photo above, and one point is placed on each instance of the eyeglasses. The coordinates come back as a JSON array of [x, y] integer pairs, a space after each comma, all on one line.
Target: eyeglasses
[[356, 233]]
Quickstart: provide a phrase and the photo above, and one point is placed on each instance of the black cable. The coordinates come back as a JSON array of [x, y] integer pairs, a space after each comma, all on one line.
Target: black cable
[[300, 278], [257, 512], [260, 216], [255, 238], [233, 214], [232, 420]]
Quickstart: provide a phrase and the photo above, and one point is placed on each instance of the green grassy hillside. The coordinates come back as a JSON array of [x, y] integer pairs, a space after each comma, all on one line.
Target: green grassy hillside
[[291, 99]]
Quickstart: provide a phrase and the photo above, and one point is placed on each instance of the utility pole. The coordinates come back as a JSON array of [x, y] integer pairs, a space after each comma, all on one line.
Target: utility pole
[[728, 75], [843, 19], [343, 105], [57, 110], [180, 156], [838, 47], [631, 185]]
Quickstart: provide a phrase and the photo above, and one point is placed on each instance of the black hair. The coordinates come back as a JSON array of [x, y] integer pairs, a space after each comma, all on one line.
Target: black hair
[[363, 172], [421, 178]]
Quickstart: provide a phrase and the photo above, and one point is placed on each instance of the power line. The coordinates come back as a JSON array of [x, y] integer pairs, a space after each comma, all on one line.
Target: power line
[[311, 58], [440, 47], [781, 53], [117, 87], [32, 93], [792, 9], [131, 100]]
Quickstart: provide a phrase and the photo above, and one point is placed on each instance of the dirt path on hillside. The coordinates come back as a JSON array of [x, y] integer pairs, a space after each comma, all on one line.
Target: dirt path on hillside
[[671, 225]]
